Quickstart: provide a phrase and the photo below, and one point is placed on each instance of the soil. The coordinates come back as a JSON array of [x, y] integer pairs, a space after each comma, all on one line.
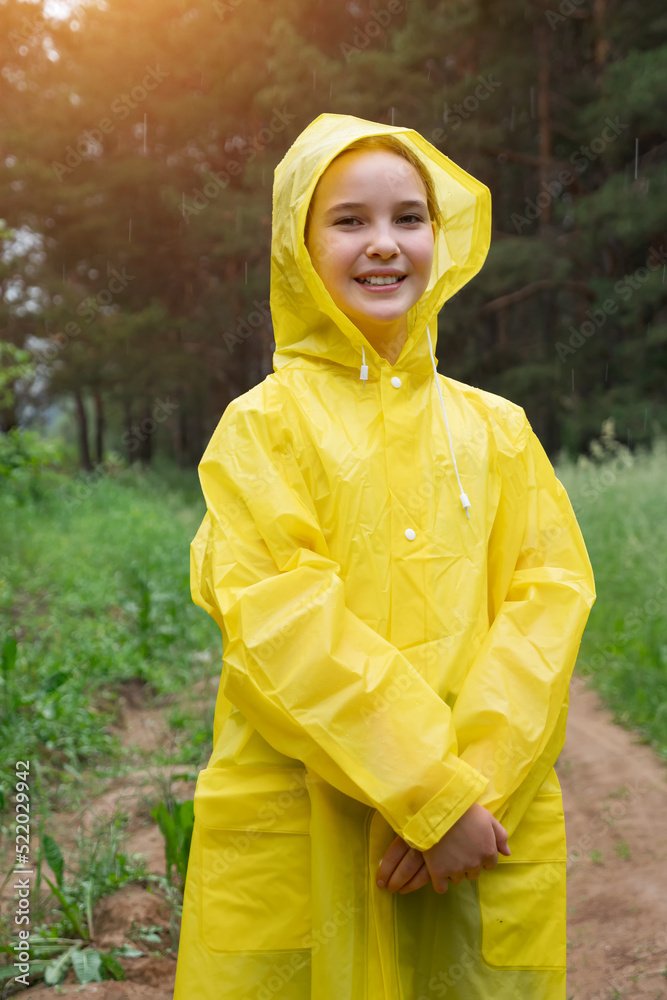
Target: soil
[[615, 797]]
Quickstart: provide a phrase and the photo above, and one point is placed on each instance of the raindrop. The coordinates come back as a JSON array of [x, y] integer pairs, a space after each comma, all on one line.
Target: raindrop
[[636, 156], [145, 129], [392, 116], [129, 235], [246, 272]]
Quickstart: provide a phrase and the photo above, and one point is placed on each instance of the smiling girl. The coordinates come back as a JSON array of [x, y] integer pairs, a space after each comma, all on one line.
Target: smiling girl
[[370, 234], [401, 586]]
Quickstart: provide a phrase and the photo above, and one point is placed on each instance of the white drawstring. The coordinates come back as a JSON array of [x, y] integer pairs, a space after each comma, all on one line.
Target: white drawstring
[[463, 498], [364, 366]]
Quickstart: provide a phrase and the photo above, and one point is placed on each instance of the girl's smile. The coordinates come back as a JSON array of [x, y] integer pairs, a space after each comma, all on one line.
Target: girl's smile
[[381, 281], [371, 241]]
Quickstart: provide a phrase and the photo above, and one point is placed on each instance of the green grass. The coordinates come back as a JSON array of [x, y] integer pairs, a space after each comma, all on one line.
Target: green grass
[[620, 506], [94, 588]]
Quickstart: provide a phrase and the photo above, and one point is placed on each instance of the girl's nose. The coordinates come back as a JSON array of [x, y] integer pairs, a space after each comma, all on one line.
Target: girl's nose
[[383, 244]]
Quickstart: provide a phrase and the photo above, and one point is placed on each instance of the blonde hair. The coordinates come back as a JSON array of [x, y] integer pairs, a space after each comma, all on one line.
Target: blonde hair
[[393, 145]]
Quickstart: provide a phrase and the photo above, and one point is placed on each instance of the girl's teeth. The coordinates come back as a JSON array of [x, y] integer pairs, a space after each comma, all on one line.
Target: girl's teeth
[[389, 279]]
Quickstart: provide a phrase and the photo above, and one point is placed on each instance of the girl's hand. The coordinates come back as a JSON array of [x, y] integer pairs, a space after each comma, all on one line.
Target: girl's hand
[[402, 868], [472, 843]]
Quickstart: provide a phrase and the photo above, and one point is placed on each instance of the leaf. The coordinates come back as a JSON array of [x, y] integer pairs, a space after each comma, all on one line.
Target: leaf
[[151, 937], [127, 951], [112, 965], [88, 901], [8, 655], [87, 964], [69, 910], [54, 856], [36, 969], [55, 970], [55, 680]]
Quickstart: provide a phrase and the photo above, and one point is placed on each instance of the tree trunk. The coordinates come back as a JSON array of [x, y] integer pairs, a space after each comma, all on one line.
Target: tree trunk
[[99, 427], [129, 438], [82, 423], [601, 48], [8, 419], [146, 431], [543, 118], [180, 436]]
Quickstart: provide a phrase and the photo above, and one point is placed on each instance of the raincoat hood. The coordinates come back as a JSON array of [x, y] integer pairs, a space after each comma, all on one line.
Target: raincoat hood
[[306, 320]]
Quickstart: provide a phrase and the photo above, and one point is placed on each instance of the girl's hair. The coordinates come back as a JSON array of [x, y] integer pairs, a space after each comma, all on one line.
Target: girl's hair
[[394, 145]]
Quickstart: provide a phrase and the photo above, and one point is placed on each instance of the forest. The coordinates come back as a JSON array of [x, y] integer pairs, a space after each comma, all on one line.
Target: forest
[[138, 144]]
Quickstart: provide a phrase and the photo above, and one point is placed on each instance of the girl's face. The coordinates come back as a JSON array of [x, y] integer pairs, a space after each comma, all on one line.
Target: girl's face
[[369, 217]]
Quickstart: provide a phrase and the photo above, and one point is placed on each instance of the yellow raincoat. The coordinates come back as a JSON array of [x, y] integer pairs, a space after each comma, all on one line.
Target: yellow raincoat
[[389, 655]]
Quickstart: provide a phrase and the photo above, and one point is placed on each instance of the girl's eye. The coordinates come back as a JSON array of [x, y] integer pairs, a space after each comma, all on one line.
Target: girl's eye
[[411, 219]]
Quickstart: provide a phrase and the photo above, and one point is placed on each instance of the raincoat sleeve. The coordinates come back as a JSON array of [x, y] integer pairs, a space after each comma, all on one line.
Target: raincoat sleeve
[[316, 681], [511, 712]]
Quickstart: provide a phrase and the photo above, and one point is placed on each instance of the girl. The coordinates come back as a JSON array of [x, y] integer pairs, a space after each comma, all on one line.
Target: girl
[[401, 586]]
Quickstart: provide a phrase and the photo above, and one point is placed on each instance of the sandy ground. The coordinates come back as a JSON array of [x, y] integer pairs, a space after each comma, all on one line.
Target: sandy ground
[[615, 798], [615, 795]]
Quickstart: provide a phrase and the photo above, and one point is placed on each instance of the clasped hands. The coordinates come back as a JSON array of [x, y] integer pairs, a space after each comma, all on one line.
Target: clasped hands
[[472, 843]]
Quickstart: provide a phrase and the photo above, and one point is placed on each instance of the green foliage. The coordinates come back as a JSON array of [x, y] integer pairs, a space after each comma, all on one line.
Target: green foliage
[[15, 364], [618, 497], [622, 849], [28, 467], [93, 594], [176, 822], [64, 931]]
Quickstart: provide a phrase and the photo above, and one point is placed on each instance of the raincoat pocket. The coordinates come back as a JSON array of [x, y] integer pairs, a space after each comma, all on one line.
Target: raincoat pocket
[[254, 826], [523, 899]]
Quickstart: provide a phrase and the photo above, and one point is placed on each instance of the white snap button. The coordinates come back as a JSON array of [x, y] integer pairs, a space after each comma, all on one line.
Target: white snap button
[[409, 533], [396, 382]]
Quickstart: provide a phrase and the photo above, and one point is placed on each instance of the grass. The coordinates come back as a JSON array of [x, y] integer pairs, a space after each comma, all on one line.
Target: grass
[[62, 929], [619, 503], [94, 592]]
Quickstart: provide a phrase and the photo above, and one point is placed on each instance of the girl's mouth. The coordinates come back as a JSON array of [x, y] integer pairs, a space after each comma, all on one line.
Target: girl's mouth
[[382, 284]]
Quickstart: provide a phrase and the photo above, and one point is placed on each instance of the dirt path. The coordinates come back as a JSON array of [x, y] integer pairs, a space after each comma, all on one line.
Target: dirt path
[[615, 795]]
